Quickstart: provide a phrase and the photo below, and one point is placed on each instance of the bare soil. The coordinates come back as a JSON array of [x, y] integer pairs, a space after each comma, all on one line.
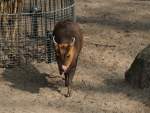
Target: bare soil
[[114, 32]]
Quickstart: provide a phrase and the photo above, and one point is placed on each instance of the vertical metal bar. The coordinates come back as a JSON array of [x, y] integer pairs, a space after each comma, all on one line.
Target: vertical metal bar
[[41, 22], [34, 25], [57, 10], [64, 2], [74, 12], [65, 11], [49, 5], [67, 14], [31, 5], [50, 9], [40, 5], [35, 2], [71, 14], [35, 28], [46, 26], [54, 5], [25, 39], [61, 9], [69, 9], [45, 15], [11, 27], [37, 39], [17, 41]]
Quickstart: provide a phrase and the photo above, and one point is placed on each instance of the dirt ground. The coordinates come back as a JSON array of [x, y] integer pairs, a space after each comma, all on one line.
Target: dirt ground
[[114, 32]]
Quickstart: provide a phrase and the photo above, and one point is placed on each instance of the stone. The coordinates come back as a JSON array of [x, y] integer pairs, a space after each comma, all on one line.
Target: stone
[[138, 75]]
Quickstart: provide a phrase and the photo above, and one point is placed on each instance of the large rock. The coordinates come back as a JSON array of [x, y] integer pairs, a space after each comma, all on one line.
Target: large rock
[[138, 74]]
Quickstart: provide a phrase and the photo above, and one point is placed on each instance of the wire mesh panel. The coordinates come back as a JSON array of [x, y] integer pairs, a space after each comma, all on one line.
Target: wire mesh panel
[[26, 29]]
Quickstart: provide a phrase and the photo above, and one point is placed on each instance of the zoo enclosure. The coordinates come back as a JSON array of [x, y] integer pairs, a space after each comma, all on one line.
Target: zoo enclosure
[[26, 29]]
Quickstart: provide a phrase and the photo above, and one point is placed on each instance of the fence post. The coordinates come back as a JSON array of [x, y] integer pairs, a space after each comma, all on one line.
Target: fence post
[[74, 12], [34, 26], [50, 48]]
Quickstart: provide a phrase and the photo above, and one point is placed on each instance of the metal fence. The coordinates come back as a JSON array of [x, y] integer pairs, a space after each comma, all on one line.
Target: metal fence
[[26, 28]]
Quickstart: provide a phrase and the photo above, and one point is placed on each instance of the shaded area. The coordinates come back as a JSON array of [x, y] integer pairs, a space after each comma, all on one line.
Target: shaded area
[[125, 15], [120, 86], [110, 83], [115, 85], [116, 23], [28, 78], [138, 75]]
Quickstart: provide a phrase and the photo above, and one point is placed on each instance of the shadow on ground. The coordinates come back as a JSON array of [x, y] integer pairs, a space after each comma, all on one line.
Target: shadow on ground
[[28, 78], [116, 86], [115, 22]]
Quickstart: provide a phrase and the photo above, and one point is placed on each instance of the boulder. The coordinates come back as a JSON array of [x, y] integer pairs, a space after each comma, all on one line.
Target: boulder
[[138, 75]]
